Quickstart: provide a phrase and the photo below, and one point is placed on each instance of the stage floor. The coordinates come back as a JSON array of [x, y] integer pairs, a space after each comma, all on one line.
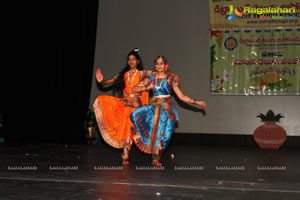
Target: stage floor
[[41, 171]]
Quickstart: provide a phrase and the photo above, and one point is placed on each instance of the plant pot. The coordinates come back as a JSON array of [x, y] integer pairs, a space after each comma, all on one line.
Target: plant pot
[[269, 135]]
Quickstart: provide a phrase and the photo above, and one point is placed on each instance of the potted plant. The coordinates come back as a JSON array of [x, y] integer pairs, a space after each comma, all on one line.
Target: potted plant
[[269, 135]]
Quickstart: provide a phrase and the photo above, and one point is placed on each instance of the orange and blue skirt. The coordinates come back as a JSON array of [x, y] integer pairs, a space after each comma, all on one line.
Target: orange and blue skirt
[[154, 124]]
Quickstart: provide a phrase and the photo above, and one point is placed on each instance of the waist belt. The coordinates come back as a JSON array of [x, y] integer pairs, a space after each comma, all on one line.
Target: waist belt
[[131, 95], [161, 96]]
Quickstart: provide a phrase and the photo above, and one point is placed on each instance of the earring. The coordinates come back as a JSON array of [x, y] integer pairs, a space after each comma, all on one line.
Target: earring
[[167, 67]]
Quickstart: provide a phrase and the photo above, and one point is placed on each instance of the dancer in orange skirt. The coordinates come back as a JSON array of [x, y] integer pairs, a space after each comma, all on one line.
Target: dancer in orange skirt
[[113, 113]]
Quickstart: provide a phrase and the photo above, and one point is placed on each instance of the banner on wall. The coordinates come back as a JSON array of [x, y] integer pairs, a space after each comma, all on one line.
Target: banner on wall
[[255, 61], [254, 13]]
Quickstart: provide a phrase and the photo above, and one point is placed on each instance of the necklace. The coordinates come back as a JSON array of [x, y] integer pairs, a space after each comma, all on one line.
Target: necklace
[[156, 86], [130, 81]]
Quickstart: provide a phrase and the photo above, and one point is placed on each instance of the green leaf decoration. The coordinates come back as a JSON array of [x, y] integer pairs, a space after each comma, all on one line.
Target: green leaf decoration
[[282, 84], [277, 117], [271, 86], [270, 116], [212, 60], [262, 117], [212, 54]]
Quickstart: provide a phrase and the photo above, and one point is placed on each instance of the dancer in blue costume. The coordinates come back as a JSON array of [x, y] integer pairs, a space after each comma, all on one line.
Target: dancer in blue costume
[[154, 123]]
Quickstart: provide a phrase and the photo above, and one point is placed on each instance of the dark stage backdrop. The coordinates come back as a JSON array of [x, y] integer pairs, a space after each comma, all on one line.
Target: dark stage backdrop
[[49, 95]]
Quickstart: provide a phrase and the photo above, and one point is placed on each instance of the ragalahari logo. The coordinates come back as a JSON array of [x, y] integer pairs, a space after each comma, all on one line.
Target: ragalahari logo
[[233, 13], [262, 13]]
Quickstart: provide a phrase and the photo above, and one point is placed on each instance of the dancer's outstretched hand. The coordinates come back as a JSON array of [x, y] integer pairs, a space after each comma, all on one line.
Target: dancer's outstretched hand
[[202, 103], [99, 76]]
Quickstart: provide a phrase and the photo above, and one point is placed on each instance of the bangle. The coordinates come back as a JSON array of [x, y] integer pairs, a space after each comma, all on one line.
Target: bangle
[[193, 101]]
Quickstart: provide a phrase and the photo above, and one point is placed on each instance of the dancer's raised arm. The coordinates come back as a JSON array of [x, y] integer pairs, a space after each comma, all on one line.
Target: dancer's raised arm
[[99, 77]]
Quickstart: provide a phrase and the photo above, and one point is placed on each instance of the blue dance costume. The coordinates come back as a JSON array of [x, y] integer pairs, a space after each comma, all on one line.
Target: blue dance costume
[[153, 124]]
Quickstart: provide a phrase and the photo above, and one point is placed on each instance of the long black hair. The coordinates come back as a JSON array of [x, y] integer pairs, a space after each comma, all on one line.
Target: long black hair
[[120, 83]]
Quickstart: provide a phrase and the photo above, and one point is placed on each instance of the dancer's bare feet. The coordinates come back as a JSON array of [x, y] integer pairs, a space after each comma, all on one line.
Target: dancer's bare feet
[[156, 163], [125, 162], [125, 156]]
